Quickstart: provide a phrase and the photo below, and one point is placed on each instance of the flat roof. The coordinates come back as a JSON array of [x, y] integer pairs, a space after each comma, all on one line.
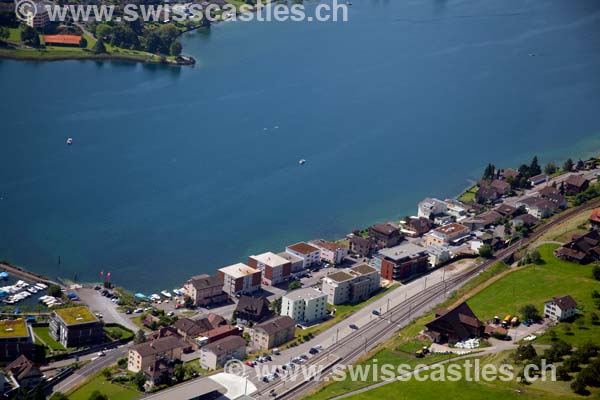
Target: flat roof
[[75, 315], [304, 293], [451, 228], [332, 246], [303, 248], [270, 259], [239, 270], [363, 269], [13, 328], [339, 276], [290, 257], [402, 251]]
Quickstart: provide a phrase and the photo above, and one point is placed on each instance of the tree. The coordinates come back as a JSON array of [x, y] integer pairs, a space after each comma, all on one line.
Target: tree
[[54, 291], [175, 48], [140, 380], [121, 362], [529, 311], [535, 257], [140, 337], [99, 47], [562, 374], [179, 372], [486, 251], [188, 302], [103, 31], [489, 172], [550, 168], [27, 34], [594, 318], [579, 165], [106, 373], [568, 165], [83, 42], [276, 306], [294, 285], [578, 386], [596, 272], [525, 352], [534, 167], [97, 395], [35, 42], [59, 396], [4, 33]]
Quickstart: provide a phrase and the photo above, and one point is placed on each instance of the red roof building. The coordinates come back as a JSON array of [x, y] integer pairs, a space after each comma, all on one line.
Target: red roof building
[[62, 40]]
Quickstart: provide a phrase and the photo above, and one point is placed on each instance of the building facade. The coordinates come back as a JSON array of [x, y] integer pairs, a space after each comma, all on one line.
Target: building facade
[[560, 308], [351, 285], [76, 327], [205, 290], [239, 279], [216, 354], [401, 262], [275, 269], [273, 333], [305, 306], [446, 234], [331, 252], [309, 254]]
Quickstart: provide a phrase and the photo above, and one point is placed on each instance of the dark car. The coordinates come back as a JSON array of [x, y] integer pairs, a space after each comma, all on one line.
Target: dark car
[[313, 350], [353, 326]]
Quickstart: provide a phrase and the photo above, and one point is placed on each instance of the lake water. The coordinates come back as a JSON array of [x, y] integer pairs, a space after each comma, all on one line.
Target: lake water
[[179, 171]]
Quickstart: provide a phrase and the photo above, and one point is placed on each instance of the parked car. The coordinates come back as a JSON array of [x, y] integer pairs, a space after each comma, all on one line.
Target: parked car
[[376, 312], [313, 351], [353, 326]]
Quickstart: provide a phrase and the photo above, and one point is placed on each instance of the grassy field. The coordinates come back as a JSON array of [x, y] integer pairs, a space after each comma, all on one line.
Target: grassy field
[[44, 335], [111, 390], [469, 390], [563, 231], [118, 333], [468, 196], [534, 285]]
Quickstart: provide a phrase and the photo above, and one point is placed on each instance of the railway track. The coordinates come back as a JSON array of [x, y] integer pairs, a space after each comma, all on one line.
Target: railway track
[[377, 330]]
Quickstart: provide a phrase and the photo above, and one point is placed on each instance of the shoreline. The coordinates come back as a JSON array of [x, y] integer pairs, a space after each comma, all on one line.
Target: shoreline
[[8, 54]]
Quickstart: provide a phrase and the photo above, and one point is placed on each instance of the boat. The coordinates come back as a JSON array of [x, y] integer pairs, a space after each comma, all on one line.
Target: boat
[[70, 141], [302, 161], [42, 285], [166, 294]]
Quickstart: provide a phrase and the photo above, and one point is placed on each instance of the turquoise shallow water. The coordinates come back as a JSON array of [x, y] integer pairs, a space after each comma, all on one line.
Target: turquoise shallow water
[[172, 172]]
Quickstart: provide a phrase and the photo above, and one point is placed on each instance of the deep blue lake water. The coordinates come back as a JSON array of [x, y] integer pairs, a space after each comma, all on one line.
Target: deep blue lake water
[[173, 173]]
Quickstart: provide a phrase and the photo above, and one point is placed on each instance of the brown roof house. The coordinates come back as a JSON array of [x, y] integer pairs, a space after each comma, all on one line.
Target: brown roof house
[[255, 309], [385, 235], [24, 371], [455, 325], [560, 308], [582, 249], [155, 357], [595, 219], [575, 184], [418, 226], [362, 246], [216, 354], [273, 333], [309, 254], [205, 290]]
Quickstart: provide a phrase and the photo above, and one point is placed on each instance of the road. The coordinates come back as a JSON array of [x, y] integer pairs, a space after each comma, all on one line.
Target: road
[[96, 365], [348, 348]]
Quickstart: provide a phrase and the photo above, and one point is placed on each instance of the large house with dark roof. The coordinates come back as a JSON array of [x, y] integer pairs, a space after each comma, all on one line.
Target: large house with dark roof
[[385, 235], [455, 325], [205, 290], [24, 371], [582, 249], [217, 354], [255, 309], [273, 332], [575, 184]]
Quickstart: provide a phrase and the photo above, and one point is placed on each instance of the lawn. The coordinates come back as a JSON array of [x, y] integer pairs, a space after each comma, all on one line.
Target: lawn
[[115, 332], [468, 196], [469, 390], [342, 312], [534, 285], [44, 335], [111, 390]]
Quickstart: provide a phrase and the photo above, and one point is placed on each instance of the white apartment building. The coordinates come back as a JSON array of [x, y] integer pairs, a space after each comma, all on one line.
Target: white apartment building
[[351, 285], [331, 252], [309, 254], [304, 305]]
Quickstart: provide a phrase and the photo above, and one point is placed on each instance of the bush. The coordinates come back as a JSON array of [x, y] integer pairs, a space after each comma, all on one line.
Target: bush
[[529, 311], [486, 251], [596, 272]]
